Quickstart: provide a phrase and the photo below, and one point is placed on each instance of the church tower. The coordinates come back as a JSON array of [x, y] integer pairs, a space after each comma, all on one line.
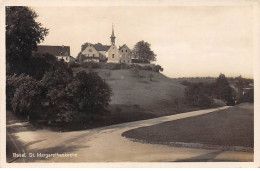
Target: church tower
[[112, 37]]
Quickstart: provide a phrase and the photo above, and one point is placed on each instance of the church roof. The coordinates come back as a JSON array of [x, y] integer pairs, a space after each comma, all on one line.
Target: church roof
[[100, 47], [54, 50]]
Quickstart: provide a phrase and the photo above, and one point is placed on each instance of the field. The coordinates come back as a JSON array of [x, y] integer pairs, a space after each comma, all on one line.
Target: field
[[230, 127]]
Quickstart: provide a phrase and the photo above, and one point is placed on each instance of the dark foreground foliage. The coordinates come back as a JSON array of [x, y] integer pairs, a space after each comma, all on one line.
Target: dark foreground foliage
[[59, 97]]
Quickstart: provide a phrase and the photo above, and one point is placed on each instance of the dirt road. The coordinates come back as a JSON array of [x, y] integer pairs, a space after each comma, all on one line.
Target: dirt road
[[107, 145]]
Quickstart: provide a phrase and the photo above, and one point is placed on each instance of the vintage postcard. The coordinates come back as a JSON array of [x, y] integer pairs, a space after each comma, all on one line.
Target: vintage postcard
[[130, 84]]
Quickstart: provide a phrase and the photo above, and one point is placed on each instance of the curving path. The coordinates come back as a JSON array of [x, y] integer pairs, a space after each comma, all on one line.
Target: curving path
[[107, 145]]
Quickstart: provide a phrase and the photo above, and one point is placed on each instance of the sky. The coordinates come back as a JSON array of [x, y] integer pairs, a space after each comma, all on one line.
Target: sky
[[195, 41]]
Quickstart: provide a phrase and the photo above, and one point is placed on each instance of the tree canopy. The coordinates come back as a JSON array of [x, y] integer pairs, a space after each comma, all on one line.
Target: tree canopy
[[143, 52], [23, 34]]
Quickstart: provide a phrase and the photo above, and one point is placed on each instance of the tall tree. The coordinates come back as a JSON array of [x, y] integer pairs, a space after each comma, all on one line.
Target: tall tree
[[143, 52], [223, 90], [23, 34]]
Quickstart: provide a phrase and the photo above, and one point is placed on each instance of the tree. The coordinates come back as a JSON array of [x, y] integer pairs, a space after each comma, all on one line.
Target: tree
[[83, 47], [143, 52], [223, 90], [90, 93], [74, 98], [39, 64], [23, 34]]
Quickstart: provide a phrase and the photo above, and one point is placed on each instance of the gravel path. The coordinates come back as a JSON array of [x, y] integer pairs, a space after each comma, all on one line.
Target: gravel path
[[107, 145]]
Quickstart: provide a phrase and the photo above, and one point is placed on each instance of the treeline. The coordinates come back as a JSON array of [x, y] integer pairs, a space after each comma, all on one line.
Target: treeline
[[202, 94], [117, 66]]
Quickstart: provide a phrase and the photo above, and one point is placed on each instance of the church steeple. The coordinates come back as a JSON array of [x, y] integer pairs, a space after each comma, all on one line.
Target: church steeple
[[112, 37]]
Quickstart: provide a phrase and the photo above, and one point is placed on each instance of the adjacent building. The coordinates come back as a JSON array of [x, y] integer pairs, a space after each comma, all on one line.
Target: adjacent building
[[125, 54], [61, 52]]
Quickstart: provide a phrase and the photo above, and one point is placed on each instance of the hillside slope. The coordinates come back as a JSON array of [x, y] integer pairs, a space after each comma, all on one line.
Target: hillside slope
[[130, 88]]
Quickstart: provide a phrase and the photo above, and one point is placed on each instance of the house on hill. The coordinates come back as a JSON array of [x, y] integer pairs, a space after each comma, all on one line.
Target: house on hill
[[106, 53], [60, 52], [94, 52], [125, 54]]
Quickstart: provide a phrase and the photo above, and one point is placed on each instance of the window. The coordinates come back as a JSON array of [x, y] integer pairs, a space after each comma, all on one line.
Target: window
[[66, 58], [113, 55], [61, 53], [93, 55], [122, 50], [90, 50], [125, 50]]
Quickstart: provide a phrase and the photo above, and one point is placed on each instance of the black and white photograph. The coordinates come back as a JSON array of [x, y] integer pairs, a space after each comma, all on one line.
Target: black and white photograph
[[128, 83]]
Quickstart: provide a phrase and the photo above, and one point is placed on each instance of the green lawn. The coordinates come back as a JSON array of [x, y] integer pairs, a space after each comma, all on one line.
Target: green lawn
[[230, 127]]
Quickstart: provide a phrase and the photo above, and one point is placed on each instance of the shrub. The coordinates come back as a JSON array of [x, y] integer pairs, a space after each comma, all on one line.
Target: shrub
[[74, 99], [158, 68], [12, 83], [74, 64], [92, 65], [82, 98], [247, 97], [197, 95], [27, 98]]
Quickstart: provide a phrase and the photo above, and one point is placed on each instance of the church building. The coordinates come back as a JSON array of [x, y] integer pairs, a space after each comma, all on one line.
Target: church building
[[109, 53]]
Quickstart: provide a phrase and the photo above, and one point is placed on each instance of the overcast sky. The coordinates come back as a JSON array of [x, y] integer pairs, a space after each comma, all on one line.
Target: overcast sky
[[188, 41]]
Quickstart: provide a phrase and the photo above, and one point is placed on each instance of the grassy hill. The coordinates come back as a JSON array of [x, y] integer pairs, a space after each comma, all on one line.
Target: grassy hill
[[155, 95], [140, 95]]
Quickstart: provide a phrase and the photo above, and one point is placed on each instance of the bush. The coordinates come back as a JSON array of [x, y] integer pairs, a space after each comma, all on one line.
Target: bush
[[247, 97], [27, 98], [12, 83], [118, 66], [92, 65], [197, 95], [74, 99], [74, 64]]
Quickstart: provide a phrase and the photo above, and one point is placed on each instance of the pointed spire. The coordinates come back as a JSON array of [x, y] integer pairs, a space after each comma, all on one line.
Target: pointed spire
[[113, 37], [112, 30]]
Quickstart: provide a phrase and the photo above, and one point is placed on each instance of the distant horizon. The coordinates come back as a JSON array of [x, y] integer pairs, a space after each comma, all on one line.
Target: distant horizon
[[189, 41]]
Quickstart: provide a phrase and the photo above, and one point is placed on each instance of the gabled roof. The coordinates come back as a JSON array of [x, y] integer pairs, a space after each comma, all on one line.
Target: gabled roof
[[100, 47], [54, 50], [124, 45]]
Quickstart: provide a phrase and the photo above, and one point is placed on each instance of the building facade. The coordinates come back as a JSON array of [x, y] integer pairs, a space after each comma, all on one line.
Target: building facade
[[125, 54], [107, 53], [60, 52]]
